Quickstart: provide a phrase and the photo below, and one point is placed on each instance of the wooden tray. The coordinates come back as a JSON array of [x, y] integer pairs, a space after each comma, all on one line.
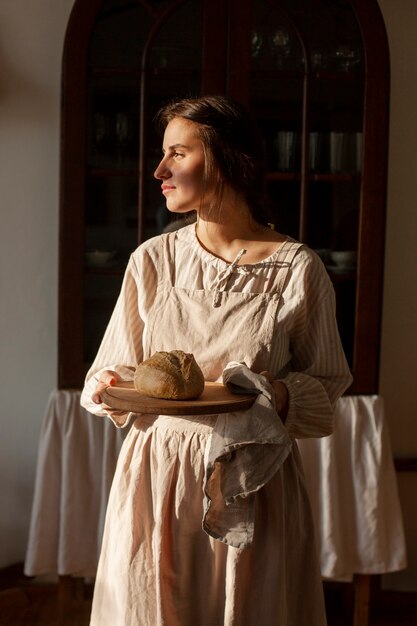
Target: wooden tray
[[216, 398]]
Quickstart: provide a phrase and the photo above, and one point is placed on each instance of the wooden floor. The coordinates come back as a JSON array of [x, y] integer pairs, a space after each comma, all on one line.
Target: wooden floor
[[30, 604], [38, 605], [386, 608]]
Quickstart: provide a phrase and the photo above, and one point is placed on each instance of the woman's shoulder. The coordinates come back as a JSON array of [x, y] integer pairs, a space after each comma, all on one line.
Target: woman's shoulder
[[308, 264], [153, 247], [146, 255], [303, 254]]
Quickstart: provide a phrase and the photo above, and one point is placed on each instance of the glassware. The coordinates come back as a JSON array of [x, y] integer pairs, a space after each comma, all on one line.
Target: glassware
[[316, 151], [318, 60], [286, 145], [256, 44], [345, 153], [280, 44], [338, 152], [101, 136], [347, 58], [122, 136]]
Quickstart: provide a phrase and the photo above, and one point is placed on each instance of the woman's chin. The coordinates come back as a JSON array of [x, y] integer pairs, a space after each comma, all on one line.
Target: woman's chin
[[179, 210]]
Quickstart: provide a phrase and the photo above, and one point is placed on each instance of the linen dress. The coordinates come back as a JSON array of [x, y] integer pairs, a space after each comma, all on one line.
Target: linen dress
[[157, 565]]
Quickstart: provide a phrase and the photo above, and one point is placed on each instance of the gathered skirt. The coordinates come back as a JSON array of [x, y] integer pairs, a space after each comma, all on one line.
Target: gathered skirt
[[159, 568]]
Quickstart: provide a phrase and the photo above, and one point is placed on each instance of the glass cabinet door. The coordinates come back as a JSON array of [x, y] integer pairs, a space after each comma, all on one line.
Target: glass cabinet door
[[306, 88], [138, 58], [138, 54]]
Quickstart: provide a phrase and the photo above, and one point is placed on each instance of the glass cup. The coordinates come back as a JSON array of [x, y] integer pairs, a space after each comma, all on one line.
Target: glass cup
[[347, 58], [286, 148], [345, 152], [280, 46], [316, 142], [339, 153]]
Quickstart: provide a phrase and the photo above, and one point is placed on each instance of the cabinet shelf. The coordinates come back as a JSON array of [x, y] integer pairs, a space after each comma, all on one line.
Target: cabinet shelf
[[341, 276], [289, 176], [341, 76], [334, 178], [134, 72], [117, 270], [299, 74], [325, 177], [98, 172]]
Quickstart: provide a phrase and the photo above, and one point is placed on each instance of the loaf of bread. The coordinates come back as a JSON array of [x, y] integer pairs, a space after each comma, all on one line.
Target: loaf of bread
[[170, 375]]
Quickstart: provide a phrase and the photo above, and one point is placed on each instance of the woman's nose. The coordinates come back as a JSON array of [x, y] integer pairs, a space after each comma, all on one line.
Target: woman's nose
[[161, 171]]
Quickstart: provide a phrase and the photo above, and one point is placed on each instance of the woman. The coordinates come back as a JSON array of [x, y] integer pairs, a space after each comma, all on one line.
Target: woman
[[227, 288]]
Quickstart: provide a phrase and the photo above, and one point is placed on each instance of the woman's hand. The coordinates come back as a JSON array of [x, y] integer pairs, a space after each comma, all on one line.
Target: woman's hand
[[108, 378], [281, 395]]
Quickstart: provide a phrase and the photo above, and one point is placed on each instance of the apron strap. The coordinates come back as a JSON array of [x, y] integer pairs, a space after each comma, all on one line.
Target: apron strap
[[287, 253], [166, 261]]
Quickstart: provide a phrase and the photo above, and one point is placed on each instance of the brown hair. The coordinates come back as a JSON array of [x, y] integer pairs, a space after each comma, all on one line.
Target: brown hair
[[232, 144]]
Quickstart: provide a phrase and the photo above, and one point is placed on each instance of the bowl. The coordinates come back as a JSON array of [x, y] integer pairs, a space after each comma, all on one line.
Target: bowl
[[323, 254], [344, 258], [97, 258]]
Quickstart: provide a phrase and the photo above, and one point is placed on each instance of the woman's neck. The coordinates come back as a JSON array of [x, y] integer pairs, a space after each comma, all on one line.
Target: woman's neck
[[225, 238]]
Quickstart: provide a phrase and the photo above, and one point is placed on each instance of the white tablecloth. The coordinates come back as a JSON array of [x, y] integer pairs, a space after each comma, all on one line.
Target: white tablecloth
[[353, 492], [350, 477], [76, 462]]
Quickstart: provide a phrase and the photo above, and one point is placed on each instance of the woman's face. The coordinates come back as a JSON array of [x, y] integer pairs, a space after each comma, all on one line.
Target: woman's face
[[182, 167]]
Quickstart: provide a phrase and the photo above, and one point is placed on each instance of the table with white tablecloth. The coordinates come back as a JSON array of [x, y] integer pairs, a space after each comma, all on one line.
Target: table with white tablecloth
[[350, 477], [353, 492], [77, 457]]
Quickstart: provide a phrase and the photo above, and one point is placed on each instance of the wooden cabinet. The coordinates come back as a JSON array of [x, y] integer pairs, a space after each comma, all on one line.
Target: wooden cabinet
[[316, 76]]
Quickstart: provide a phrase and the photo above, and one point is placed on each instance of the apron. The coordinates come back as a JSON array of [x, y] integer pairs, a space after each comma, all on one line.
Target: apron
[[157, 567], [216, 325]]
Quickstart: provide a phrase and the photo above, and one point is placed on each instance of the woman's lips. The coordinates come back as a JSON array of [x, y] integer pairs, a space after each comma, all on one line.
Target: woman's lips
[[167, 188]]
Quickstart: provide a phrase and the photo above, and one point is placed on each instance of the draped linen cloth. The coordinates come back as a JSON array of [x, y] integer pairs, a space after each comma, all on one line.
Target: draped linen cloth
[[352, 484], [246, 450], [77, 456]]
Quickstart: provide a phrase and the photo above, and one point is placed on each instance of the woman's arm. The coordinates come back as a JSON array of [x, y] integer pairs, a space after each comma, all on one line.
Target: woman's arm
[[319, 372], [121, 348]]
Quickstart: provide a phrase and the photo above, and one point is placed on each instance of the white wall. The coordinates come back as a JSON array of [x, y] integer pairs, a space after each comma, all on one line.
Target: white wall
[[31, 40]]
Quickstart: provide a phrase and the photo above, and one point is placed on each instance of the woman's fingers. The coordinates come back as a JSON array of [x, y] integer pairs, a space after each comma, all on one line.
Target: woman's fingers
[[267, 375], [107, 378], [281, 394]]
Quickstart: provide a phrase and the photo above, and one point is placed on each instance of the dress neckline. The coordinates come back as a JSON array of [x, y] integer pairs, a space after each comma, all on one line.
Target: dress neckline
[[190, 233]]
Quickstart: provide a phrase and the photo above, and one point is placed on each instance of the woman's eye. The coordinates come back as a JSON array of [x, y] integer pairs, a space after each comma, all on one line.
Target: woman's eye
[[178, 155]]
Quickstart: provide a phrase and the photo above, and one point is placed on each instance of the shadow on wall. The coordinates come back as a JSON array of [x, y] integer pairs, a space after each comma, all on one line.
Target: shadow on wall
[[22, 98]]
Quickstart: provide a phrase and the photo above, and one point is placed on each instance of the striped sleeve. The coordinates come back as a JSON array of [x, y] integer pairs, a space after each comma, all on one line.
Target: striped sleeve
[[319, 370], [121, 348]]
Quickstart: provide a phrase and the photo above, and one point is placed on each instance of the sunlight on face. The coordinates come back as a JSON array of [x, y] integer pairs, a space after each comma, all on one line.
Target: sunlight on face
[[181, 169]]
